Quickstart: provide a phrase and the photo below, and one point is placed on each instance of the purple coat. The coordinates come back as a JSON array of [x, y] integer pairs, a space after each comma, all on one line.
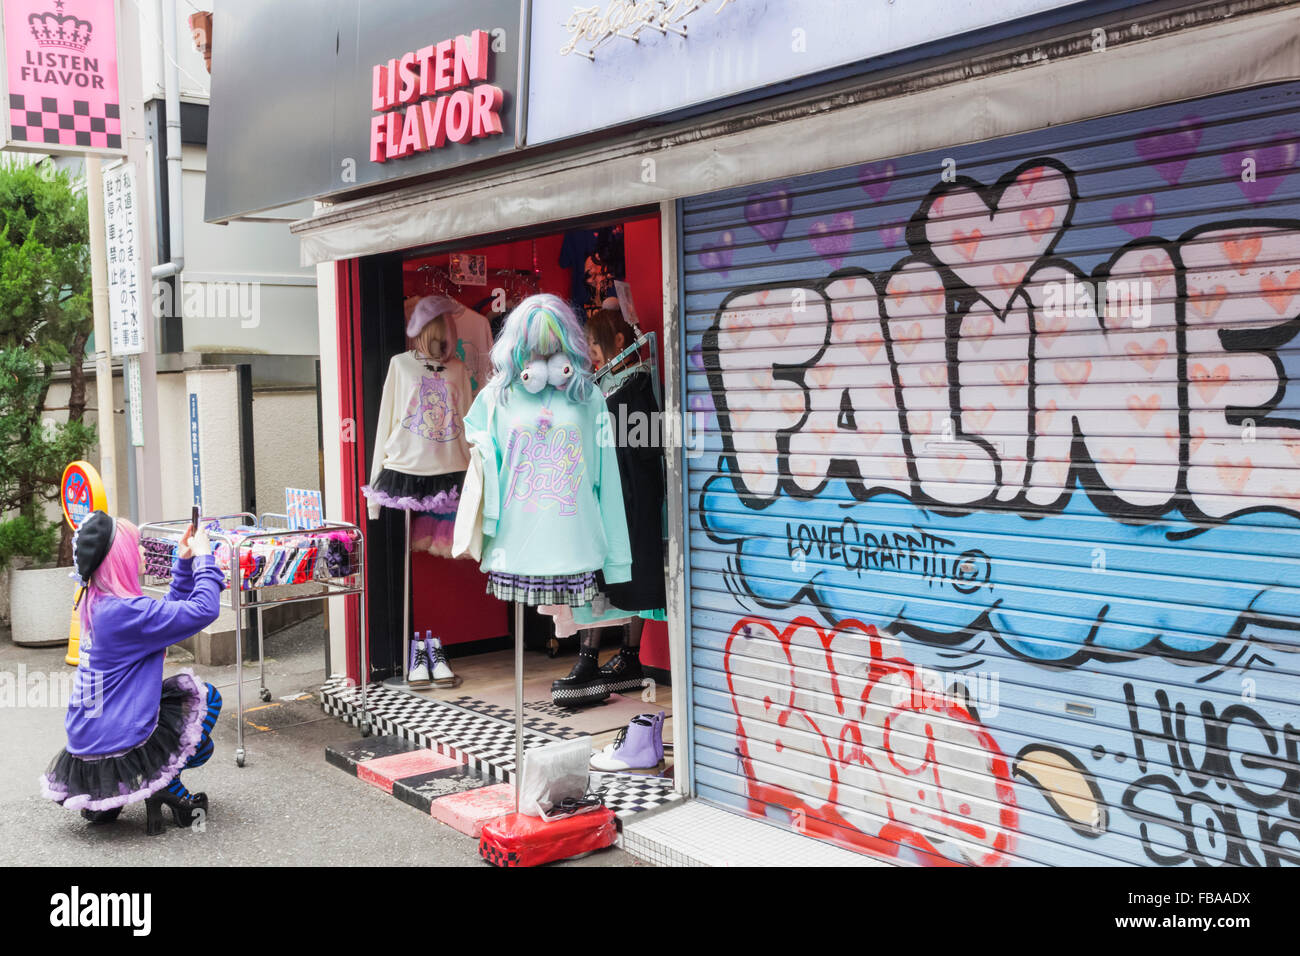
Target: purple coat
[[116, 690]]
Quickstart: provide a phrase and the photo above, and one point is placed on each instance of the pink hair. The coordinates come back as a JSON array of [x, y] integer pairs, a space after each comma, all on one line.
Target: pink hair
[[118, 576]]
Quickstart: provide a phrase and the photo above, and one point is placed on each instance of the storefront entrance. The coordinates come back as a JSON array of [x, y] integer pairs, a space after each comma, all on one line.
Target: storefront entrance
[[582, 264]]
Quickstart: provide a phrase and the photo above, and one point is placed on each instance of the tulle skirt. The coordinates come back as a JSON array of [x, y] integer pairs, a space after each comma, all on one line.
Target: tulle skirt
[[439, 494], [114, 780]]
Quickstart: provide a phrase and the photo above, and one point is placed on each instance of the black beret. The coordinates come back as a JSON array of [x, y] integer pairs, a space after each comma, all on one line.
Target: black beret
[[91, 543]]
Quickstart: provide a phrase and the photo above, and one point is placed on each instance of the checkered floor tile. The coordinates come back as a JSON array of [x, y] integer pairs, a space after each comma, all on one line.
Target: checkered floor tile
[[531, 721], [485, 744]]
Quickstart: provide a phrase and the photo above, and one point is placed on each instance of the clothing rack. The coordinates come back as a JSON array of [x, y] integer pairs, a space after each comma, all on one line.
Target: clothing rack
[[611, 377], [242, 534]]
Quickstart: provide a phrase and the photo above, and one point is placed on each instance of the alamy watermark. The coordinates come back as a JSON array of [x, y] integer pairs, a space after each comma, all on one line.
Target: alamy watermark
[[56, 689], [1116, 300], [210, 301]]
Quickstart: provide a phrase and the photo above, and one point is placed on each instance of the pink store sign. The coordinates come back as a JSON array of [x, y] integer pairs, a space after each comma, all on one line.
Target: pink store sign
[[61, 76]]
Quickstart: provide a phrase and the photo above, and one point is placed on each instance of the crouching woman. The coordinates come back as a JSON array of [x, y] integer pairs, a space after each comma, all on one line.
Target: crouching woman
[[131, 733]]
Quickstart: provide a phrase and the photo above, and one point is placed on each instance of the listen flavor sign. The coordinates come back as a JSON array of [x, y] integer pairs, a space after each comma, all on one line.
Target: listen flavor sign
[[61, 75]]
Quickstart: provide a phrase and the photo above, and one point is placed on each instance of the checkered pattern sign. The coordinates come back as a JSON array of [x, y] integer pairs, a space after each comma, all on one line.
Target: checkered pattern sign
[[63, 121]]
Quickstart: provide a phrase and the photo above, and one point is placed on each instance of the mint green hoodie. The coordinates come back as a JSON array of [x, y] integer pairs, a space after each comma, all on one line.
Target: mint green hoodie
[[552, 496]]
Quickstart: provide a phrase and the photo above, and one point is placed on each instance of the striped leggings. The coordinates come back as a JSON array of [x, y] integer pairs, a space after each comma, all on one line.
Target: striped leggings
[[202, 755]]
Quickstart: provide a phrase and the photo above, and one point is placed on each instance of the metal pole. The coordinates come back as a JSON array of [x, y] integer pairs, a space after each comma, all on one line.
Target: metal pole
[[406, 598], [363, 636], [236, 606], [103, 332], [519, 698]]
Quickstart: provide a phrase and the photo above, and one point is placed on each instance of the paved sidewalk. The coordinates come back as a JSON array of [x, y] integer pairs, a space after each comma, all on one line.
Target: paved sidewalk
[[287, 806]]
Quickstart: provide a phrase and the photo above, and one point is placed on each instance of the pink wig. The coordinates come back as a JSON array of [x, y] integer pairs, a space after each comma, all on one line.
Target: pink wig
[[119, 574]]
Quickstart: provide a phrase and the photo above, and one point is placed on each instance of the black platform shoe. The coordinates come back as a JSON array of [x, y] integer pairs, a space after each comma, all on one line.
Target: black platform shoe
[[183, 805], [584, 686], [622, 672], [101, 816]]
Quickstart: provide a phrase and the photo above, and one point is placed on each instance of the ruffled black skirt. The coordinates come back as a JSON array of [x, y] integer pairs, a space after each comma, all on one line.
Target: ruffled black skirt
[[439, 494], [114, 780]]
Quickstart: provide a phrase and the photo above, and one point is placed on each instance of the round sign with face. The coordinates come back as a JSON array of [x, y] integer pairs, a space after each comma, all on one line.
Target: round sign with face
[[81, 492]]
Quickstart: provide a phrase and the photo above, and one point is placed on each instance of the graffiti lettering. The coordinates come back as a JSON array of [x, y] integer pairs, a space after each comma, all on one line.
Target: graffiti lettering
[[921, 552]]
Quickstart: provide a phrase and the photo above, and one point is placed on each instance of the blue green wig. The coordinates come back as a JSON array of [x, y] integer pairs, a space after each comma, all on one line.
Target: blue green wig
[[539, 327]]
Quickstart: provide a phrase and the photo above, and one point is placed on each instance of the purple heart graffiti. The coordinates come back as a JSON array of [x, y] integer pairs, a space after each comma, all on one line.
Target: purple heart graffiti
[[833, 239], [1135, 217], [891, 232], [1170, 149], [876, 178], [696, 357], [1267, 165], [769, 214], [716, 256]]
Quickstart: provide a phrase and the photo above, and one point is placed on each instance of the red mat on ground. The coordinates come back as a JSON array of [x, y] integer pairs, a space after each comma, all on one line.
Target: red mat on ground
[[519, 840]]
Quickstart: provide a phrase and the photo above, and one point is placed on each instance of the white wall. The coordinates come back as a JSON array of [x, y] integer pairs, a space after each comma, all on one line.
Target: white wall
[[263, 258], [284, 439], [195, 82]]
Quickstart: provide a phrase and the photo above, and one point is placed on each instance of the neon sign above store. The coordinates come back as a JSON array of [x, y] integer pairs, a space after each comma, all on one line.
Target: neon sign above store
[[446, 96], [627, 19]]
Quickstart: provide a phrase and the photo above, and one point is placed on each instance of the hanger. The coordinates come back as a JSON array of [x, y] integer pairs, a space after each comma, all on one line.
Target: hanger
[[610, 381]]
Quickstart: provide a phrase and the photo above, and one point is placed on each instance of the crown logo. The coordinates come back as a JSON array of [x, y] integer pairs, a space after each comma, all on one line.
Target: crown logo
[[60, 30]]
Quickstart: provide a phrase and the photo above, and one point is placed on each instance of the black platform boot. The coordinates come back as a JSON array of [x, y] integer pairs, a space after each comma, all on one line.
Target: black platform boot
[[101, 816], [584, 685], [622, 672], [183, 805]]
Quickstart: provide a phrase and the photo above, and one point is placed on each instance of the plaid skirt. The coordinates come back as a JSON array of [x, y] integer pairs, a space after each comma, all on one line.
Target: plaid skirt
[[573, 590]]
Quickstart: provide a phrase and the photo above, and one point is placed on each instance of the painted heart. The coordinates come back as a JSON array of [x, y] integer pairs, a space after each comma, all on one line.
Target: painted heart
[[979, 419], [891, 233], [977, 330], [1207, 382], [1136, 217], [935, 376], [1233, 475], [1170, 149], [701, 402], [1158, 270], [1119, 462], [1038, 221], [696, 356], [908, 338], [1029, 179], [832, 239], [918, 423], [1259, 170], [899, 292], [1279, 293], [1073, 374], [822, 374], [1144, 409], [768, 214], [1013, 377], [1009, 278], [876, 178], [1049, 328], [1043, 417], [870, 345], [1206, 303], [1242, 252], [968, 243], [716, 256], [1148, 358], [933, 299]]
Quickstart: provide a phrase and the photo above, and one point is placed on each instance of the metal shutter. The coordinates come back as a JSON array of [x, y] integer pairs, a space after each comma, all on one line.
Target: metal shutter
[[978, 574]]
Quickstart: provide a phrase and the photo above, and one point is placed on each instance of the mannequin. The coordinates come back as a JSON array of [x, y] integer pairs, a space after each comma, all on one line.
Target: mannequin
[[625, 605], [421, 452], [553, 500]]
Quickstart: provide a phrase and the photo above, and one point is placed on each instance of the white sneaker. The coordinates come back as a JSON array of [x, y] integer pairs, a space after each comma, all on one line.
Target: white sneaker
[[443, 675], [419, 674]]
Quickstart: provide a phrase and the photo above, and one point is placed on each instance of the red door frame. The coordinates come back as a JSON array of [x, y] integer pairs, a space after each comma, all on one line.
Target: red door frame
[[347, 307]]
